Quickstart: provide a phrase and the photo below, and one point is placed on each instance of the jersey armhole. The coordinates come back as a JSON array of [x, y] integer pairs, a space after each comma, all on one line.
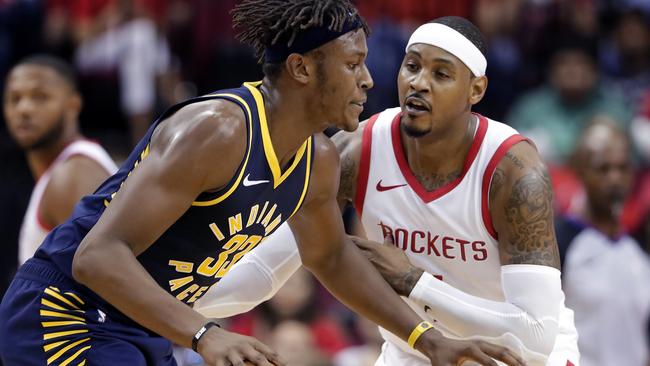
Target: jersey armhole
[[487, 180], [364, 165]]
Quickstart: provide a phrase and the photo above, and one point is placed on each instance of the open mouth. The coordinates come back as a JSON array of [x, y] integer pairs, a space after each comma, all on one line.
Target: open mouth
[[414, 104]]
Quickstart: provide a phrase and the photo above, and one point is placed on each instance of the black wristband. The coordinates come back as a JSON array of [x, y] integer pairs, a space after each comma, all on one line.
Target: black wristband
[[200, 333]]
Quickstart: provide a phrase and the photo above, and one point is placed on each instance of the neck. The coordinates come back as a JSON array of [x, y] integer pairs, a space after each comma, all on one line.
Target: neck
[[40, 159], [288, 120], [605, 222], [444, 152]]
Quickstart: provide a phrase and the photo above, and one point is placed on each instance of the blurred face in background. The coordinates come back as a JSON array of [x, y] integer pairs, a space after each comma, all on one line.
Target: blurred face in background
[[573, 76], [606, 170], [38, 103]]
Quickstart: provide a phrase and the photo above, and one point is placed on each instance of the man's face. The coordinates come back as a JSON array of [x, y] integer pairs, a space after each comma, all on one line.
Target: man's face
[[36, 101], [607, 173], [434, 88], [574, 76], [343, 79]]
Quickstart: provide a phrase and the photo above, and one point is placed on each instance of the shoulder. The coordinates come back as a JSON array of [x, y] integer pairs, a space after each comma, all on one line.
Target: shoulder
[[201, 135]]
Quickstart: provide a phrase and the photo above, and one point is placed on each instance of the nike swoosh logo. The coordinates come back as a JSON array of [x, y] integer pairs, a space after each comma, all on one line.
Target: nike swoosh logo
[[248, 182], [426, 308], [381, 188]]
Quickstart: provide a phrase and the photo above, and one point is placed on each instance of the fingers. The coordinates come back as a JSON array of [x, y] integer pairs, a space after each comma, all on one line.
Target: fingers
[[502, 354], [475, 353], [237, 360], [270, 354]]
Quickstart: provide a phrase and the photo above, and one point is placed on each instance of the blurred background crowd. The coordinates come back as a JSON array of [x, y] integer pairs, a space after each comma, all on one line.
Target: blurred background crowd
[[554, 67]]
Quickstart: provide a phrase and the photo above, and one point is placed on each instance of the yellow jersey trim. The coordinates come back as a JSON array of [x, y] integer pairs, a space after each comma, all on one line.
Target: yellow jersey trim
[[307, 173], [271, 157], [248, 152]]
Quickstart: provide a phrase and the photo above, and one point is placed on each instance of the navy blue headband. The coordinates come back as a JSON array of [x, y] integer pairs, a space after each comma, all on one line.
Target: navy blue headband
[[308, 40]]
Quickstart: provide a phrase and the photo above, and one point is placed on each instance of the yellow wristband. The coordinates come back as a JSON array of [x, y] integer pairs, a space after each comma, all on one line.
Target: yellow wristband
[[417, 332]]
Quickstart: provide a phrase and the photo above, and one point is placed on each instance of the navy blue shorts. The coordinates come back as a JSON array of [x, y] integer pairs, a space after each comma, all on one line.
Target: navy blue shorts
[[46, 320]]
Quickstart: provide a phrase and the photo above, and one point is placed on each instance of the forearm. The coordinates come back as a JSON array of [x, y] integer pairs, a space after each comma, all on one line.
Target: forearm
[[255, 278], [355, 282], [534, 322], [111, 270]]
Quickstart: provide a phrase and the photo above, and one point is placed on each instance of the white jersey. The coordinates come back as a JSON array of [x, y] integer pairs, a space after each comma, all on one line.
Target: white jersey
[[33, 230], [447, 231]]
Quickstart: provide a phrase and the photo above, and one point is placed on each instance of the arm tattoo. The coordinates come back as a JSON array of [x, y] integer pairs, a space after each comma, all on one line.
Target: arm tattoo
[[515, 160], [498, 177], [529, 213], [347, 185]]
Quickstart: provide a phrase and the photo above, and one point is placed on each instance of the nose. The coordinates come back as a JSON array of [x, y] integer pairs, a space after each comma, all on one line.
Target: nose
[[24, 106], [420, 82], [366, 79]]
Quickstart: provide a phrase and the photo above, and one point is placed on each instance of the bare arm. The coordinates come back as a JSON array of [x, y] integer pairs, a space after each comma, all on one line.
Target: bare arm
[[521, 198], [75, 178], [179, 166]]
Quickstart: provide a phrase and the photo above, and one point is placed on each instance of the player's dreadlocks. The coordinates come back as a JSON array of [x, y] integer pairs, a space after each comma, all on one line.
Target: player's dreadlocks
[[266, 22]]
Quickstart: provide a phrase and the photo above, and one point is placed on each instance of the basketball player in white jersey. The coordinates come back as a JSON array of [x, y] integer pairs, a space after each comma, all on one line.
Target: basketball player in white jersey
[[41, 106], [467, 201]]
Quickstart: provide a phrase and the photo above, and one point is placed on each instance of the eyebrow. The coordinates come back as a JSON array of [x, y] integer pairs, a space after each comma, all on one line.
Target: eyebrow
[[437, 59]]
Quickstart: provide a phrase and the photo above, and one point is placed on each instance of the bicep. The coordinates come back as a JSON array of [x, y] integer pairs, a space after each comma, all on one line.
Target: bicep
[[522, 209]]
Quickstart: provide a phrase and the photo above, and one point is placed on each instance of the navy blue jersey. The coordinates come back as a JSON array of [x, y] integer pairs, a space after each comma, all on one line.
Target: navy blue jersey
[[220, 227]]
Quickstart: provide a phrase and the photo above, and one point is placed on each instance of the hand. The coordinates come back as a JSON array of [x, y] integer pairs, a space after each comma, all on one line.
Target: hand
[[222, 348], [448, 352], [391, 262]]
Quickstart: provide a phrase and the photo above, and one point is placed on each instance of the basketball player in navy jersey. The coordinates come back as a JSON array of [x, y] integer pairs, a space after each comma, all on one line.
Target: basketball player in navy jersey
[[211, 179], [466, 205]]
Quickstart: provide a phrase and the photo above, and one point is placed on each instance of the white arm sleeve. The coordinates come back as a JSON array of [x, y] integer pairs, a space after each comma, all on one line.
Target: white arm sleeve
[[528, 318], [255, 278]]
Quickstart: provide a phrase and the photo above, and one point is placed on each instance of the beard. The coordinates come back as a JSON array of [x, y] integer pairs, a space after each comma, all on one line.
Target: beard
[[412, 131], [49, 137]]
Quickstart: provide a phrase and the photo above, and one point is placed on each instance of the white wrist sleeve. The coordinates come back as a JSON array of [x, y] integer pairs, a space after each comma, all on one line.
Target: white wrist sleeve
[[255, 278], [528, 319]]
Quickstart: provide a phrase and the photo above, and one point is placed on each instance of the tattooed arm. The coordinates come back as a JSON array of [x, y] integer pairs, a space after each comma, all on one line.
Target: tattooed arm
[[348, 145], [521, 201]]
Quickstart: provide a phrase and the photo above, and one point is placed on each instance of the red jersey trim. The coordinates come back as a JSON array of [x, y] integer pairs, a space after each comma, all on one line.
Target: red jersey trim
[[428, 196], [487, 180], [364, 165]]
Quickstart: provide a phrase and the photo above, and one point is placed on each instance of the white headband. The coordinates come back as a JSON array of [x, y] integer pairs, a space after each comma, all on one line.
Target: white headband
[[452, 41]]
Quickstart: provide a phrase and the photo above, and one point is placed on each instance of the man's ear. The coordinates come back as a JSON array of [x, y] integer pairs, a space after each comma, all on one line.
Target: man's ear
[[477, 89], [298, 67]]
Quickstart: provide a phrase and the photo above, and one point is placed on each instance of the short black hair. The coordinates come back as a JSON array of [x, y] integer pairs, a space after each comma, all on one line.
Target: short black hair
[[264, 23], [466, 28], [58, 65]]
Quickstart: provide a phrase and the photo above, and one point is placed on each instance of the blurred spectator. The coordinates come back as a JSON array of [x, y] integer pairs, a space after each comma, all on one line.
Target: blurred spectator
[[295, 342], [117, 37], [553, 115], [626, 59], [368, 351], [41, 106], [605, 272], [296, 300], [640, 129]]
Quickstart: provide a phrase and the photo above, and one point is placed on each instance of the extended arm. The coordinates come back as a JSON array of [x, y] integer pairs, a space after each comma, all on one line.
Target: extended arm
[[331, 256]]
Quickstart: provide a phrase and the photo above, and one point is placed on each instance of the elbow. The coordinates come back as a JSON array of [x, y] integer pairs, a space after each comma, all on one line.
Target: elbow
[[544, 334], [84, 266]]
